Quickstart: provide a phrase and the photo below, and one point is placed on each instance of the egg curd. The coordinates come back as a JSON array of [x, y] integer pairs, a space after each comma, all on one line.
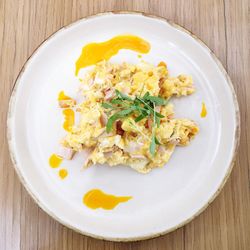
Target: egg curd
[[129, 142]]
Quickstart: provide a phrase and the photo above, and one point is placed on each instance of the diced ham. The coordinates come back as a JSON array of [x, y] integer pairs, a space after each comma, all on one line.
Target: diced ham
[[125, 90], [148, 124], [69, 103], [78, 109], [134, 134], [87, 155], [107, 154], [103, 119], [119, 130], [161, 81], [108, 94], [161, 149], [174, 140], [133, 147], [91, 81], [158, 109], [65, 153], [142, 157]]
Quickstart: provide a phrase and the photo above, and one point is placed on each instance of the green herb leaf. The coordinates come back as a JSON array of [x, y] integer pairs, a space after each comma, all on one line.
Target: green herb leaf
[[126, 112], [142, 89], [142, 107], [107, 105], [152, 146], [142, 110], [145, 96], [159, 115], [146, 104], [137, 102], [140, 117], [114, 117], [123, 96], [117, 101], [156, 141], [158, 101], [153, 142], [157, 119], [111, 121]]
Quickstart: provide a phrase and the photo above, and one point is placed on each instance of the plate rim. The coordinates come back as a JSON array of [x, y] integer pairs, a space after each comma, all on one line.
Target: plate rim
[[237, 131]]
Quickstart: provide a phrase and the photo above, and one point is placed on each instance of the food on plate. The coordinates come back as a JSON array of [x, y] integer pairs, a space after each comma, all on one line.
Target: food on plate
[[63, 173], [65, 101], [69, 119], [203, 110], [55, 161], [95, 52], [96, 198], [126, 117]]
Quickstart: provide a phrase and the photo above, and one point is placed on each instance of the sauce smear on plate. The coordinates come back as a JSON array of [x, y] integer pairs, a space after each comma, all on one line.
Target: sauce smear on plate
[[69, 119], [96, 198], [62, 96], [55, 161], [63, 173], [95, 52], [203, 110]]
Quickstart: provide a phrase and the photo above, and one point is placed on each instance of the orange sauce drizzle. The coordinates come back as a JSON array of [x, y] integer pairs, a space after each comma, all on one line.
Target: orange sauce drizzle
[[63, 173], [69, 119], [62, 96], [203, 110], [55, 161], [96, 52], [96, 198]]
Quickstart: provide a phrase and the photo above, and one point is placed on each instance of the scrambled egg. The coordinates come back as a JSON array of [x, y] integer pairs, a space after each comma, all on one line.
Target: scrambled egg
[[128, 143]]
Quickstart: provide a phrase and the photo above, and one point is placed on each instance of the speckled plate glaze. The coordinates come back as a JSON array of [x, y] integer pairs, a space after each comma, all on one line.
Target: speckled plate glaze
[[164, 199]]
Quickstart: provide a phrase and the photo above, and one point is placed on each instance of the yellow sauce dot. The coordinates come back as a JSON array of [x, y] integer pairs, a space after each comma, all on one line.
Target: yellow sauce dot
[[63, 173], [69, 119], [163, 64], [62, 96], [96, 198], [139, 56], [96, 52], [55, 161], [203, 110], [65, 101]]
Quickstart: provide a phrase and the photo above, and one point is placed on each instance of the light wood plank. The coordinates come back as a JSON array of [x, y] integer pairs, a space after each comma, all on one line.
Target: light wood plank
[[223, 25]]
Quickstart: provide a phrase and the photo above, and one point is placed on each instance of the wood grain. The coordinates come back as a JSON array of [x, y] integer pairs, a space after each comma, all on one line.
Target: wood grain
[[223, 25]]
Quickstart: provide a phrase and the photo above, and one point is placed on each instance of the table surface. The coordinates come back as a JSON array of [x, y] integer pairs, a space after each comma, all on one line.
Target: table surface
[[223, 25]]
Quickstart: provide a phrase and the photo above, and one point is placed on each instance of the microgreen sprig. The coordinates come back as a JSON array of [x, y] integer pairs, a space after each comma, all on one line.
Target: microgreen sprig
[[142, 107]]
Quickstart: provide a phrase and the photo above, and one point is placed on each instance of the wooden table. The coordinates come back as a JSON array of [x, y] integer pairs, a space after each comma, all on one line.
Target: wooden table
[[223, 25]]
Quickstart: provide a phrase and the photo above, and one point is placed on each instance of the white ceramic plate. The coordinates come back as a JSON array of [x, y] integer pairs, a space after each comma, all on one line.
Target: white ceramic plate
[[164, 199]]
